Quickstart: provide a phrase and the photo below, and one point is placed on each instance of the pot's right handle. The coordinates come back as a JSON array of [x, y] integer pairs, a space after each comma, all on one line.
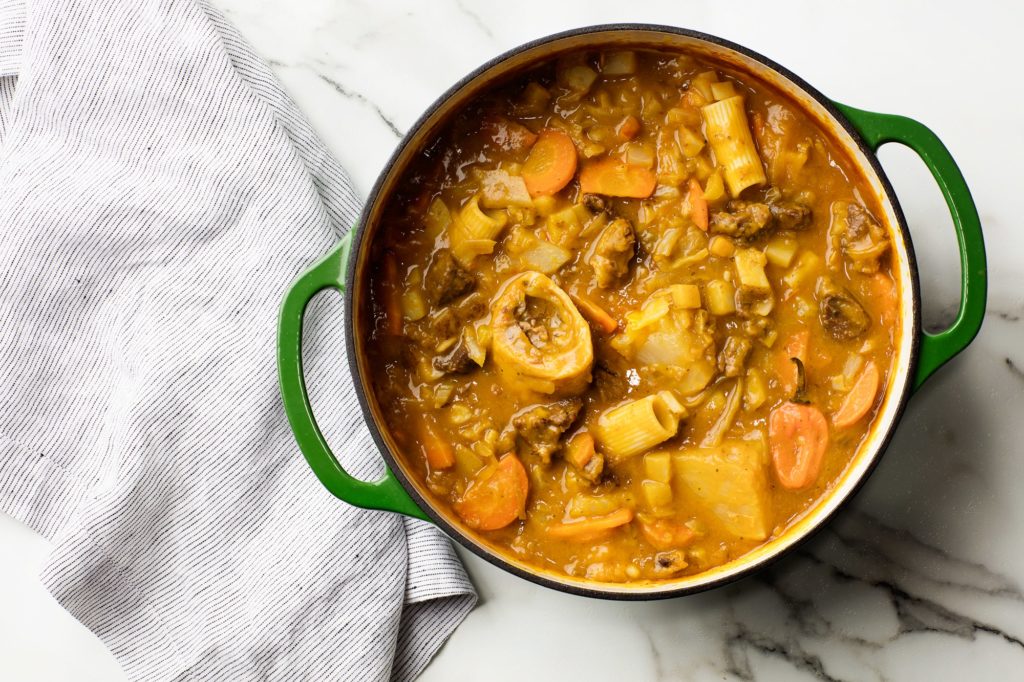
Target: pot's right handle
[[877, 129]]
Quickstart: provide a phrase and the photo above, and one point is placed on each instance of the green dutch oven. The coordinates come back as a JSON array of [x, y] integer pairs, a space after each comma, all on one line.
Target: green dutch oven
[[860, 133]]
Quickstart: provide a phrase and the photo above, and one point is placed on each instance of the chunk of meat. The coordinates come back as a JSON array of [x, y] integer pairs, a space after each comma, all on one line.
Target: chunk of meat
[[746, 220], [734, 355], [456, 362], [669, 563], [447, 322], [752, 302], [446, 280], [608, 383], [613, 250], [790, 215], [741, 219], [842, 316], [595, 202], [538, 320], [839, 312], [540, 427], [856, 236]]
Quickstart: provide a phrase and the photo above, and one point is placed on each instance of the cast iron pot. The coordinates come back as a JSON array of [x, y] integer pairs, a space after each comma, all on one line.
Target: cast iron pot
[[860, 133]]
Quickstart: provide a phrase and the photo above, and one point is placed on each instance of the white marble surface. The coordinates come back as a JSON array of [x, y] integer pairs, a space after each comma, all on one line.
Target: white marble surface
[[922, 577]]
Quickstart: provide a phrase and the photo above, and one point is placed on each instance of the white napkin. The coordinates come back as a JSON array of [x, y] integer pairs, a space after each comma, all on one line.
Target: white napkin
[[158, 193]]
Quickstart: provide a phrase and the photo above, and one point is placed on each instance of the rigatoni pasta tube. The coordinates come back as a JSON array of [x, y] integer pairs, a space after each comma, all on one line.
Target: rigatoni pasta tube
[[634, 427], [729, 134], [473, 232]]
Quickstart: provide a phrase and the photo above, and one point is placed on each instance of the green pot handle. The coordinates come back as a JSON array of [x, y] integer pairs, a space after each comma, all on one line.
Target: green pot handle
[[877, 129], [387, 493]]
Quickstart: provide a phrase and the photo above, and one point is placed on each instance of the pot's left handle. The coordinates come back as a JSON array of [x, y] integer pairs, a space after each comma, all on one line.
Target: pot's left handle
[[387, 493]]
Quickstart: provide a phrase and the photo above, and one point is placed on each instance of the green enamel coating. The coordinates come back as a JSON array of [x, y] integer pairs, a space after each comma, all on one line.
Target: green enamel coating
[[387, 493], [877, 129]]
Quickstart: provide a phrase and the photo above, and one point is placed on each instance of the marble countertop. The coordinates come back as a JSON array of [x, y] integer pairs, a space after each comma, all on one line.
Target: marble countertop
[[922, 576]]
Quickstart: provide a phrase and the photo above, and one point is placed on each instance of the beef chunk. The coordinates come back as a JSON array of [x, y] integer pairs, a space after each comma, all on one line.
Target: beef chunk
[[456, 362], [541, 427], [449, 322], [790, 215], [860, 239], [595, 202], [839, 311], [613, 250], [669, 563], [446, 280], [535, 317], [752, 302], [842, 316], [741, 219], [733, 355], [746, 220]]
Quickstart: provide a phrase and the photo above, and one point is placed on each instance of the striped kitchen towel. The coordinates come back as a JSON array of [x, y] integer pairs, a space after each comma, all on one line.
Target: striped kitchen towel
[[158, 193]]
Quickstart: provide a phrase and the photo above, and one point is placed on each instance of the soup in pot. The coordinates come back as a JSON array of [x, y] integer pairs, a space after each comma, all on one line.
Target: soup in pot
[[630, 315]]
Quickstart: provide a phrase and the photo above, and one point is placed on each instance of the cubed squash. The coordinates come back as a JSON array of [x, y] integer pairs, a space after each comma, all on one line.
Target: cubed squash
[[657, 495], [720, 297], [731, 481], [721, 246], [807, 267], [658, 466], [780, 251], [723, 90], [750, 269], [499, 189], [685, 295], [714, 188]]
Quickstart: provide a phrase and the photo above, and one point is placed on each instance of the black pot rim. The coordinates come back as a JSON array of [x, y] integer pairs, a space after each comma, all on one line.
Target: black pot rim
[[607, 591]]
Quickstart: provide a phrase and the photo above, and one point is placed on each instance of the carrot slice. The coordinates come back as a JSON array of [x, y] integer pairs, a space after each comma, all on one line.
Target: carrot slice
[[859, 400], [496, 496], [884, 298], [798, 435], [438, 451], [392, 296], [614, 178], [580, 450], [665, 533], [551, 163], [698, 205], [585, 529], [595, 314], [629, 128]]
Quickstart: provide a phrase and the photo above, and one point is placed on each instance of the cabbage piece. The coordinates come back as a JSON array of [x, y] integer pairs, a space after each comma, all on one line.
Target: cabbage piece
[[530, 252], [669, 333]]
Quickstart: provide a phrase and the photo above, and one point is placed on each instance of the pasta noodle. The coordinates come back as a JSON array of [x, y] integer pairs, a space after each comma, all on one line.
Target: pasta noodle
[[639, 425], [729, 134], [472, 231]]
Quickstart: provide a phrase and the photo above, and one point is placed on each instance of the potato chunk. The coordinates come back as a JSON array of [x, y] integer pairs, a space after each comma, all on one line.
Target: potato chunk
[[731, 481]]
